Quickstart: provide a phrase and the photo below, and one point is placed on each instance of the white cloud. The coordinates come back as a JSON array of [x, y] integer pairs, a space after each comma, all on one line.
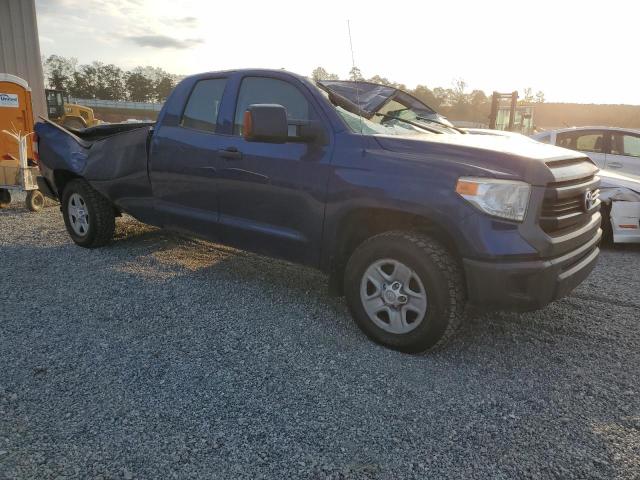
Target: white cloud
[[572, 52]]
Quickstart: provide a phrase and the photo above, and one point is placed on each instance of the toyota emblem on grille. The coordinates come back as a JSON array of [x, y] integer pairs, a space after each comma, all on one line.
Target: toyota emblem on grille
[[590, 197]]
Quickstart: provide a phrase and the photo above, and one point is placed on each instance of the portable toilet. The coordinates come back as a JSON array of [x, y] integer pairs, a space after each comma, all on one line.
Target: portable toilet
[[16, 113]]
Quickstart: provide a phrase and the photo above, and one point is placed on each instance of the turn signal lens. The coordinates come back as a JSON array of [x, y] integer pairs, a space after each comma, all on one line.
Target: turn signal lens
[[466, 188]]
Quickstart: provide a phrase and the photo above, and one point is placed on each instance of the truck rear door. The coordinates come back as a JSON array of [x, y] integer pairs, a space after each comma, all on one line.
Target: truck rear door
[[183, 162]]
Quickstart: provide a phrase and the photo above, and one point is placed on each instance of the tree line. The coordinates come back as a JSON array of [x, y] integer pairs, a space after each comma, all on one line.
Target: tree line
[[454, 102], [149, 84], [107, 81]]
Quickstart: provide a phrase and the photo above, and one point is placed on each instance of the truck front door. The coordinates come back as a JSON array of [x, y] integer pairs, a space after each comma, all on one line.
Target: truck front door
[[272, 196]]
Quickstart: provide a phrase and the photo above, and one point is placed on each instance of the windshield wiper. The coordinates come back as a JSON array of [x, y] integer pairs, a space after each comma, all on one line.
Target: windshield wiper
[[443, 124], [415, 124]]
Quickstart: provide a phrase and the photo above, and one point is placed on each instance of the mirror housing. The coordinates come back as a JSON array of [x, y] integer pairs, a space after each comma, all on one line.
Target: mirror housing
[[265, 123]]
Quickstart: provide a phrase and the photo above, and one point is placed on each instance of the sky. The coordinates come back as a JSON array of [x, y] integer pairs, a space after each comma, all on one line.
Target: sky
[[573, 51]]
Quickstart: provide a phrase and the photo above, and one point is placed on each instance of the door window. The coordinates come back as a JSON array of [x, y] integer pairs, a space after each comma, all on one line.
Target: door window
[[274, 91], [202, 108], [625, 144], [584, 141]]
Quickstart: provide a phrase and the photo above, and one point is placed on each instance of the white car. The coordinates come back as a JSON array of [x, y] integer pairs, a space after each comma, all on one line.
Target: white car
[[620, 197], [609, 147]]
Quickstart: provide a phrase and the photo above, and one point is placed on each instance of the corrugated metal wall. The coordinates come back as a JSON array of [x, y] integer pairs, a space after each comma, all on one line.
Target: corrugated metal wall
[[20, 47]]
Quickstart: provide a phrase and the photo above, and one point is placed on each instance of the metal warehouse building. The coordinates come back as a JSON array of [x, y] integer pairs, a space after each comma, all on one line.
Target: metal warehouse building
[[20, 47]]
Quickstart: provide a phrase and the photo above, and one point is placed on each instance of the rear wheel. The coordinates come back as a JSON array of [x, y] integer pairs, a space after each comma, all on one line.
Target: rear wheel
[[405, 291], [34, 200], [88, 215], [5, 198]]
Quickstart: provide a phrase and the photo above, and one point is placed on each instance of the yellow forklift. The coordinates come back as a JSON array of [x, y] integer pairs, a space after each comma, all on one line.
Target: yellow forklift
[[69, 115], [507, 114]]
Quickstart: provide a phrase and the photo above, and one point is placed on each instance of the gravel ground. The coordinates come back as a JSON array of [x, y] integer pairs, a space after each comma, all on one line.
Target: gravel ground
[[162, 357]]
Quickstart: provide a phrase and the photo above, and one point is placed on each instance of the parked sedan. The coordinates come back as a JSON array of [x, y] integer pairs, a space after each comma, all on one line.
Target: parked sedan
[[612, 148]]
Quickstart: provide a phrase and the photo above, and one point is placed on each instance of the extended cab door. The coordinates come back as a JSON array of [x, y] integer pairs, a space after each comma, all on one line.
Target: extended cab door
[[183, 163], [624, 153], [272, 196]]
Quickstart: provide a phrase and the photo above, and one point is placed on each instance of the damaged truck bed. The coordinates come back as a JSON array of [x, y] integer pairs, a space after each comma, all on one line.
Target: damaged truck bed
[[113, 158]]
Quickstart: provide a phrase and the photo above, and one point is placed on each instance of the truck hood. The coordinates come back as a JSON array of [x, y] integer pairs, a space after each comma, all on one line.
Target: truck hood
[[484, 155]]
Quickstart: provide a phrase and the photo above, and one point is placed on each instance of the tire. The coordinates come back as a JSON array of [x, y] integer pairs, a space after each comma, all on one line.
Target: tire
[[88, 215], [433, 271], [35, 200], [5, 198]]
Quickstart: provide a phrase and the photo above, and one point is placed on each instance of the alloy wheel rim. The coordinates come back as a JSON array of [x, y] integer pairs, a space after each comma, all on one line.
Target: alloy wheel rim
[[393, 296], [78, 215]]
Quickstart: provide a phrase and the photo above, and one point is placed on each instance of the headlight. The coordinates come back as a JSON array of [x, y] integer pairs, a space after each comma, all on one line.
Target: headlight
[[500, 198]]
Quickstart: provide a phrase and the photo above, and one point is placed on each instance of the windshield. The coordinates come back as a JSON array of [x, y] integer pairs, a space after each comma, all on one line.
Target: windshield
[[359, 124]]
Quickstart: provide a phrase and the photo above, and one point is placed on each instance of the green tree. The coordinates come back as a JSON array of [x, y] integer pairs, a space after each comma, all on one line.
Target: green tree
[[355, 74], [540, 96], [320, 73], [163, 87], [59, 71], [459, 97], [139, 87], [424, 94], [111, 83], [84, 82], [443, 96]]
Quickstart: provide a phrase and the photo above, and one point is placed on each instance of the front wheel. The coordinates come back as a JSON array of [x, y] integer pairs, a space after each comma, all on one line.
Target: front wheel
[[87, 214], [405, 291]]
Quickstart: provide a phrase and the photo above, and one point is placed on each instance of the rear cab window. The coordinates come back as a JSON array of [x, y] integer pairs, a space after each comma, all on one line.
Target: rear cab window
[[203, 106]]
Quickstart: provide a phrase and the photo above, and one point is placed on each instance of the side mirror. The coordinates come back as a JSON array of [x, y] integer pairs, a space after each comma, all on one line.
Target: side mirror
[[265, 123]]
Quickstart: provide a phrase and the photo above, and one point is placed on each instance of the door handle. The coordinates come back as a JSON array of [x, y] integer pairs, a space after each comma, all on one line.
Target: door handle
[[614, 165], [231, 153]]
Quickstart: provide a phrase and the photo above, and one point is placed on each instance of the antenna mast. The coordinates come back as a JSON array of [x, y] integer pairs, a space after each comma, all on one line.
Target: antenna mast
[[353, 67]]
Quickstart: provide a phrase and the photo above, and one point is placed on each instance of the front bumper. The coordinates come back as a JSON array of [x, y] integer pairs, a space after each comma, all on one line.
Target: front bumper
[[529, 284]]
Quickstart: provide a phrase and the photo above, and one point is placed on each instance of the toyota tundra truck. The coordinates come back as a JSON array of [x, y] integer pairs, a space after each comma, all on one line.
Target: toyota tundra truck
[[412, 219]]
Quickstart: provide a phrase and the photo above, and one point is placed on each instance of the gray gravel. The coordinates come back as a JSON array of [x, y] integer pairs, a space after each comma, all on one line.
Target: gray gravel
[[162, 357]]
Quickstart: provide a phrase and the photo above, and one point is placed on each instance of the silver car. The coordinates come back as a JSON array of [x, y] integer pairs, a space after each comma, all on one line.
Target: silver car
[[612, 148]]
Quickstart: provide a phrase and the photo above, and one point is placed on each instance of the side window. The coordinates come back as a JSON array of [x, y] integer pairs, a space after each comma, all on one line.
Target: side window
[[270, 90], [584, 141], [625, 144], [202, 108]]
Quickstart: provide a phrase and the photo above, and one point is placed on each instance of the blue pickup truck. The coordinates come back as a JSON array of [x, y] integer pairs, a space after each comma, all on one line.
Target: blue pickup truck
[[411, 219]]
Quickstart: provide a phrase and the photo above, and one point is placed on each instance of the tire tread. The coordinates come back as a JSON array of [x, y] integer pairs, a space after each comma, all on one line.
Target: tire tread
[[445, 261]]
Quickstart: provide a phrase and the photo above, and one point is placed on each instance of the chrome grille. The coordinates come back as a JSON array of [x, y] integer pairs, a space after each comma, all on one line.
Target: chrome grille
[[565, 207]]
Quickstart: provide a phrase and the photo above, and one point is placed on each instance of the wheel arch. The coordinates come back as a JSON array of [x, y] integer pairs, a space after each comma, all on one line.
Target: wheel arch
[[61, 178], [362, 223]]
